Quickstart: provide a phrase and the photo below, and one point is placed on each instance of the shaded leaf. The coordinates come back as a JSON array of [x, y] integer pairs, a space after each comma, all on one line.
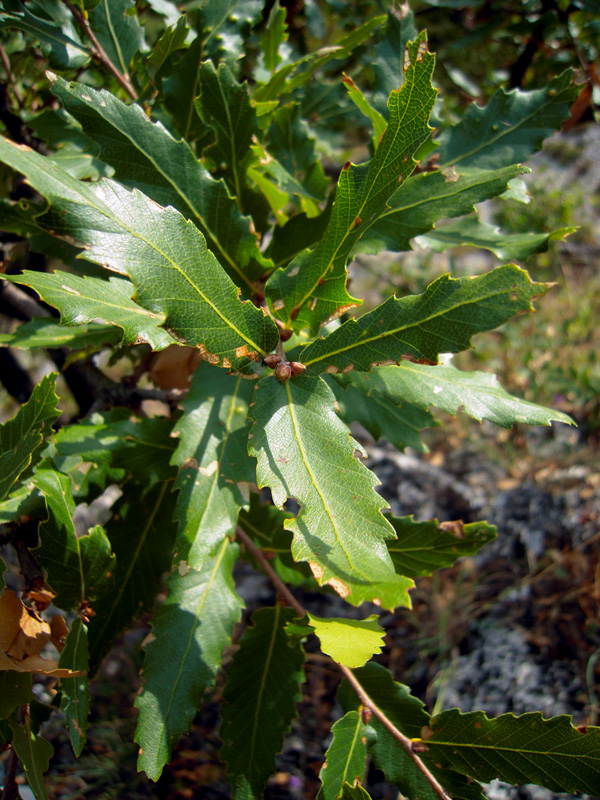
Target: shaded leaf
[[79, 569], [423, 547], [477, 394], [298, 73], [346, 756], [146, 156], [298, 233], [172, 39], [525, 749], [350, 642], [312, 289], [60, 42], [388, 57], [264, 524], [118, 31], [354, 792], [44, 332], [75, 696], [273, 36], [141, 534], [142, 447], [21, 436], [304, 451], [409, 716], [424, 199], [213, 461], [165, 256], [193, 626], [224, 105], [179, 91], [291, 158], [472, 232], [400, 423], [15, 690], [441, 320], [509, 128], [81, 300], [34, 753], [263, 686]]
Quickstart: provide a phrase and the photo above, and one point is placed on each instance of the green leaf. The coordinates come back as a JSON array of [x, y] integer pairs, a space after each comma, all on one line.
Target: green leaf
[[304, 451], [213, 461], [378, 121], [189, 634], [354, 792], [400, 423], [118, 31], [477, 394], [79, 568], [224, 105], [226, 25], [273, 36], [263, 686], [179, 91], [83, 299], [165, 256], [60, 42], [424, 199], [409, 716], [264, 524], [44, 332], [172, 39], [298, 233], [146, 156], [292, 160], [350, 642], [346, 756], [312, 288], [15, 690], [420, 327], [509, 128], [75, 695], [292, 76], [141, 447], [21, 436], [141, 534], [388, 58], [34, 754], [525, 749], [472, 232], [423, 547]]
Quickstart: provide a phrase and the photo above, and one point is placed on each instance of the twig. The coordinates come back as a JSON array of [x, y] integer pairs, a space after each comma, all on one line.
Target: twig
[[364, 698], [10, 76], [99, 52], [23, 302]]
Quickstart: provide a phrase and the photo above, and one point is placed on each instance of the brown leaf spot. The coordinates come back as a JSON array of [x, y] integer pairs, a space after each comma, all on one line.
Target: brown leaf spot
[[514, 297], [357, 221], [419, 747], [347, 80], [426, 732], [332, 369], [348, 368], [400, 178], [316, 569], [241, 352], [294, 313], [339, 586], [347, 165], [455, 527], [321, 281], [190, 463]]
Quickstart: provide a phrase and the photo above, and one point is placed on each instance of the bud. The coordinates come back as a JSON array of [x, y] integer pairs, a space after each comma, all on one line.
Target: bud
[[271, 361], [283, 371], [297, 368]]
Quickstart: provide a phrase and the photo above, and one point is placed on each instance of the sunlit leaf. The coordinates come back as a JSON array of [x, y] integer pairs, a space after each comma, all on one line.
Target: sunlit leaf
[[346, 756]]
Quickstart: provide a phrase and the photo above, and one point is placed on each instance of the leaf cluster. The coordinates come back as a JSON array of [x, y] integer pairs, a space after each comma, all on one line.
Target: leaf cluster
[[189, 208]]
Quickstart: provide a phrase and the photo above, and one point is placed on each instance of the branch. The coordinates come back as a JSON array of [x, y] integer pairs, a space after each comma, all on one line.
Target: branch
[[99, 52], [364, 698]]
